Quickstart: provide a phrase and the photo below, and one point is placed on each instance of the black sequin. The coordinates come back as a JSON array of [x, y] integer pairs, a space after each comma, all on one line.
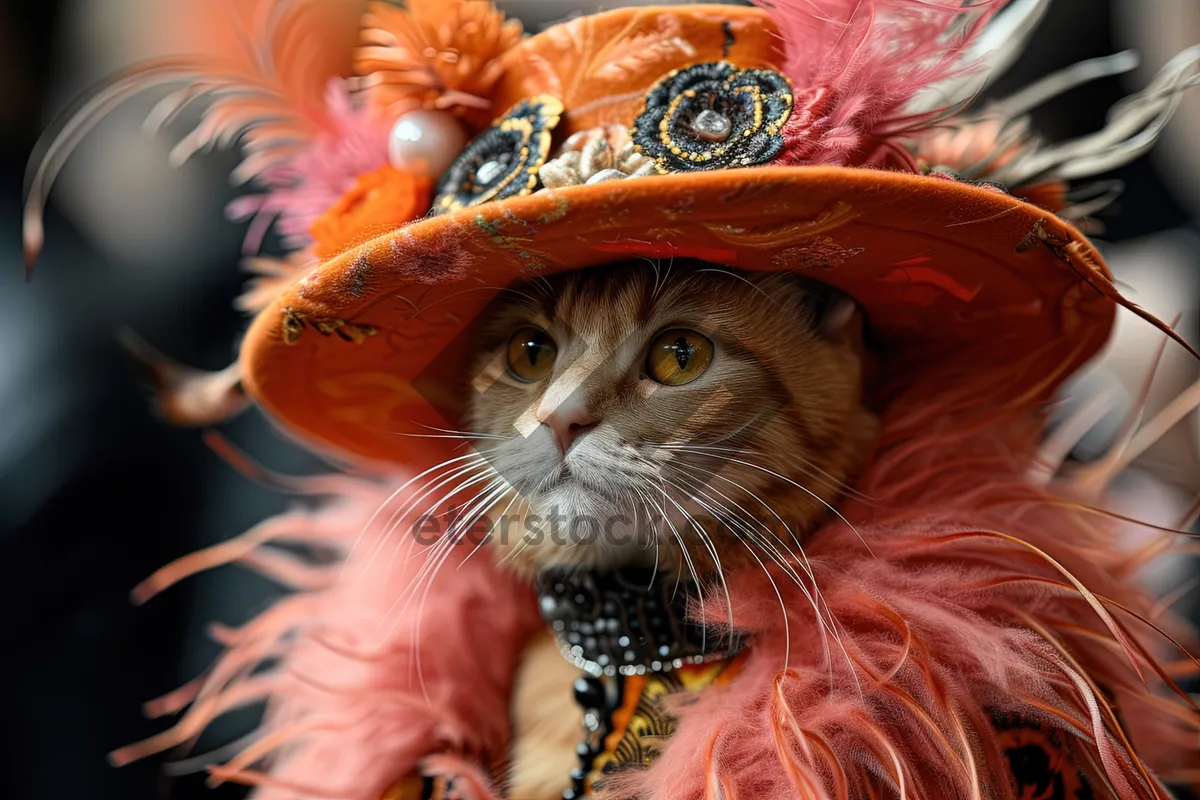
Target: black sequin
[[622, 621], [504, 160], [757, 103]]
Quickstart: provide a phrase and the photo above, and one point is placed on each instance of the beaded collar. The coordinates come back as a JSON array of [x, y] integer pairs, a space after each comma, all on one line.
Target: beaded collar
[[629, 632], [628, 622]]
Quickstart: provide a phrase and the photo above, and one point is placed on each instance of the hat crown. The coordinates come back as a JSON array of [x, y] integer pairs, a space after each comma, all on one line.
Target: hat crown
[[601, 66]]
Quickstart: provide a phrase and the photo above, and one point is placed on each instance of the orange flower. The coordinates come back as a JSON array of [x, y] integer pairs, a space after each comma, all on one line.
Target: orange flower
[[378, 202], [434, 54]]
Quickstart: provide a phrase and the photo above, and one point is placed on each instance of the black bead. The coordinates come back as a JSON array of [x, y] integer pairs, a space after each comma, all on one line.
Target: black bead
[[589, 693]]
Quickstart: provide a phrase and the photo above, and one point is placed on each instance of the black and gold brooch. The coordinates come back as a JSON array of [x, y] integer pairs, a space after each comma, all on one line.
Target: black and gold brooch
[[713, 116], [504, 160]]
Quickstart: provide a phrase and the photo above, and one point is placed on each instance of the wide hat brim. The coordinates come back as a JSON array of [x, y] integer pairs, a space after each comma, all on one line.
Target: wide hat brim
[[371, 350]]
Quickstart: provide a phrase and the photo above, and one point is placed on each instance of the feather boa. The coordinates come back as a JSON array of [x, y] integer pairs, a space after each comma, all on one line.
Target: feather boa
[[965, 590]]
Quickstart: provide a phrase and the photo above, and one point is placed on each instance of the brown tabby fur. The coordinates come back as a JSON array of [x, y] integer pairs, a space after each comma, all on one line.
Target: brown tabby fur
[[783, 393]]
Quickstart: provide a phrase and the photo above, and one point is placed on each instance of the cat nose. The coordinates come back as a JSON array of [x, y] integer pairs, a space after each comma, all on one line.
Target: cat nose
[[567, 421]]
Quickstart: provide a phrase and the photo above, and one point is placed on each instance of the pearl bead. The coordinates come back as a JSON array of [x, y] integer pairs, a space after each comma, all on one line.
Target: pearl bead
[[425, 143], [711, 126], [489, 172]]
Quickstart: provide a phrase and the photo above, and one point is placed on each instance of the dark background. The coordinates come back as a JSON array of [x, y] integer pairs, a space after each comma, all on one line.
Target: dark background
[[95, 493]]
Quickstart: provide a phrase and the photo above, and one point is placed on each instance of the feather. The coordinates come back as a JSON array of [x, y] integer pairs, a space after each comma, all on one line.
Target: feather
[[186, 396], [347, 714], [442, 54], [1134, 125], [985, 595], [987, 58], [966, 632], [1058, 83], [868, 59], [997, 145], [264, 66]]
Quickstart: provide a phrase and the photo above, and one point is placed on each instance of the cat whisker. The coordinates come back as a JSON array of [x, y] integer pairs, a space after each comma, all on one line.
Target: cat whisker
[[491, 497], [802, 488], [654, 540], [815, 598], [543, 286], [830, 480], [439, 550], [787, 632], [744, 280], [824, 613], [427, 490], [649, 503], [799, 558], [474, 459], [709, 545], [800, 461], [704, 447], [470, 437], [738, 430], [396, 493], [478, 434], [659, 285], [487, 475], [687, 559]]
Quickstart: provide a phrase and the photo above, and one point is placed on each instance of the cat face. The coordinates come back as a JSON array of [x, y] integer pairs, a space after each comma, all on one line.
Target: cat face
[[680, 415]]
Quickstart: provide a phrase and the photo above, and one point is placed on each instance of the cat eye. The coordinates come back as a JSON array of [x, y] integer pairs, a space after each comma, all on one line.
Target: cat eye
[[531, 354], [678, 356]]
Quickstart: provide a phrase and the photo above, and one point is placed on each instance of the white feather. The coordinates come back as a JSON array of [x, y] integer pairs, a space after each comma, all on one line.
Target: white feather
[[993, 52], [1064, 80], [1133, 126]]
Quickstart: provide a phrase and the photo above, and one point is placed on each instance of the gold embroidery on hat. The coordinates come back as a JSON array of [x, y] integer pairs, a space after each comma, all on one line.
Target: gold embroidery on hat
[[295, 322], [504, 160], [714, 116]]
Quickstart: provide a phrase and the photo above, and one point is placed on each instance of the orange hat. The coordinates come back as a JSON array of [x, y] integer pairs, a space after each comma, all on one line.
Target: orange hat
[[822, 137]]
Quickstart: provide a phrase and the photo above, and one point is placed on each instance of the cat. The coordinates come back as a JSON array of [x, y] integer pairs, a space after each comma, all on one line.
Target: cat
[[682, 410], [628, 393]]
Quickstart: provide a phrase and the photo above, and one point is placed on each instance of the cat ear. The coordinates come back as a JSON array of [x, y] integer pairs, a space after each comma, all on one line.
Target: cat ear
[[838, 318], [834, 314]]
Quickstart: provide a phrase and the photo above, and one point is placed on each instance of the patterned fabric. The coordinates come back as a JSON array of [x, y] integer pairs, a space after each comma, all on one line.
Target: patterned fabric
[[1041, 766], [641, 726]]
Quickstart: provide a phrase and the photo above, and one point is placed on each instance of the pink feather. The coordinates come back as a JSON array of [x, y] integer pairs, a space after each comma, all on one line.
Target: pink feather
[[969, 601], [374, 679], [857, 63]]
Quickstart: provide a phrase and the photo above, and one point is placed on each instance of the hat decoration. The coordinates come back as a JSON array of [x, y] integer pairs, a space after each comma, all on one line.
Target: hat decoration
[[503, 161], [712, 116], [430, 115]]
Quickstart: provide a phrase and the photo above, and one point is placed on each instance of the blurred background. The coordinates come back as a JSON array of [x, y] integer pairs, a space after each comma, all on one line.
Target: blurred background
[[95, 493]]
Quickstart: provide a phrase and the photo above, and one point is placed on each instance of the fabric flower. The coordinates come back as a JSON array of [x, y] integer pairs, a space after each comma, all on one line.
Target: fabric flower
[[379, 201], [713, 116], [504, 160]]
